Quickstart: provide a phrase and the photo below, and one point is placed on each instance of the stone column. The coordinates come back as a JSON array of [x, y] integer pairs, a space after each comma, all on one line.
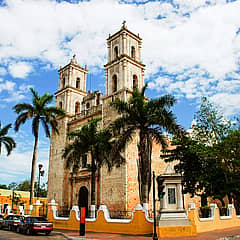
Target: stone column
[[179, 197], [163, 201], [92, 211], [36, 208]]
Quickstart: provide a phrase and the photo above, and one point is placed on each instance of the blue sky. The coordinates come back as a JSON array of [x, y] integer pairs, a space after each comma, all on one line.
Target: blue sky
[[191, 48]]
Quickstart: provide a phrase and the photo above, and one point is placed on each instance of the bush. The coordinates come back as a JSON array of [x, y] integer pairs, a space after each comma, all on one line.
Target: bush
[[205, 212], [223, 211]]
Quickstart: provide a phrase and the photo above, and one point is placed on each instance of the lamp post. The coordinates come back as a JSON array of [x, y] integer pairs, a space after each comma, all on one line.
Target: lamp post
[[40, 174], [154, 210]]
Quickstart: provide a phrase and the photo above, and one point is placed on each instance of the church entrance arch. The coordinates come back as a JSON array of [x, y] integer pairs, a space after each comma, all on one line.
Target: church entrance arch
[[83, 199]]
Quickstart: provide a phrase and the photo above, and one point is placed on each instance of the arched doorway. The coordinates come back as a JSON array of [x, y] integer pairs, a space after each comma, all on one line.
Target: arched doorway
[[83, 199]]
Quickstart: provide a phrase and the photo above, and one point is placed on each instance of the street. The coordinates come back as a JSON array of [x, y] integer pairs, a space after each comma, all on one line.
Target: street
[[5, 235]]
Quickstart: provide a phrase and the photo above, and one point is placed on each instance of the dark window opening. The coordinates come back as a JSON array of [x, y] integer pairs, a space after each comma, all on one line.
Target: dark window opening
[[98, 99], [133, 52], [114, 83], [116, 52], [135, 81], [78, 83], [77, 107], [63, 82], [60, 105], [87, 105], [84, 161]]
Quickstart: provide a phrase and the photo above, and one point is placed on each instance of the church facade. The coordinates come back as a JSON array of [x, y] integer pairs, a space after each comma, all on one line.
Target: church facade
[[119, 188]]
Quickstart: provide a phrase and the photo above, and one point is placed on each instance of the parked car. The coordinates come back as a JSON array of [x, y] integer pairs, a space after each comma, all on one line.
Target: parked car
[[32, 225], [11, 221], [1, 218]]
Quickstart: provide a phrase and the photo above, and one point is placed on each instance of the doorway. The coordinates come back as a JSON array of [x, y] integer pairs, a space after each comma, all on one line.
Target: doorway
[[83, 199]]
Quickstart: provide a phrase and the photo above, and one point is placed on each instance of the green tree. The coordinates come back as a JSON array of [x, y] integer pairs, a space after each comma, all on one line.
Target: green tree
[[96, 142], [150, 119], [5, 140], [205, 173], [229, 152], [197, 164], [3, 186], [40, 112], [211, 126]]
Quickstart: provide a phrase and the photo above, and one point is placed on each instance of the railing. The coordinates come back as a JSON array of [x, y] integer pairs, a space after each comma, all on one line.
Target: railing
[[237, 210], [63, 212], [151, 214], [223, 211], [204, 212], [87, 112], [120, 214]]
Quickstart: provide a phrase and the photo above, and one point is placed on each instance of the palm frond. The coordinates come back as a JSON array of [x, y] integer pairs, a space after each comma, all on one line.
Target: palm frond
[[21, 119]]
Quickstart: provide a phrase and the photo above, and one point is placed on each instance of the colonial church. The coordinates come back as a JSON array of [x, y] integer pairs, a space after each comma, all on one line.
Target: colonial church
[[123, 70]]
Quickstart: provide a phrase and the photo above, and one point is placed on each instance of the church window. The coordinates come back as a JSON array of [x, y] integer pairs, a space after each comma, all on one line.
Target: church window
[[60, 105], [116, 52], [63, 82], [87, 105], [135, 81], [114, 83], [77, 107], [78, 83], [84, 161], [133, 52], [98, 99]]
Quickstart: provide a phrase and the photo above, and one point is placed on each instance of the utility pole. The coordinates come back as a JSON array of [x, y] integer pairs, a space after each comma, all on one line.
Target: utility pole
[[154, 210]]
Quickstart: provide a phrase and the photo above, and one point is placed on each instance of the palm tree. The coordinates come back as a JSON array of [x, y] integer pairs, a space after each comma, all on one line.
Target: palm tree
[[40, 112], [5, 140], [150, 119], [97, 143]]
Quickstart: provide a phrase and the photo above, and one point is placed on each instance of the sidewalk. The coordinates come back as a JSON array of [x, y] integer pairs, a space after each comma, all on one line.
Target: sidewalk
[[225, 234]]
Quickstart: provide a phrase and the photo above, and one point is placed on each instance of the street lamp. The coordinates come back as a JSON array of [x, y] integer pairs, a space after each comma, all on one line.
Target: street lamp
[[40, 174]]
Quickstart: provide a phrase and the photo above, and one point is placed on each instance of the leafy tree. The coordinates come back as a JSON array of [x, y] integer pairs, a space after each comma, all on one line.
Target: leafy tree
[[12, 186], [25, 186], [3, 186], [211, 126], [205, 173], [194, 165], [150, 119], [96, 142], [5, 140], [40, 112], [229, 152]]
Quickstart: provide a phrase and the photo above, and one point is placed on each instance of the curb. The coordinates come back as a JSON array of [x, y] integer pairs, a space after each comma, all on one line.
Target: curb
[[71, 238], [230, 237]]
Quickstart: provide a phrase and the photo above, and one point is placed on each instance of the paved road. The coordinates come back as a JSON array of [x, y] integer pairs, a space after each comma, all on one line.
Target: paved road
[[8, 235]]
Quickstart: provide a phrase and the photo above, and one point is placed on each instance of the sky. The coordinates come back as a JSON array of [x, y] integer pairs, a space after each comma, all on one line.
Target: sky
[[191, 48]]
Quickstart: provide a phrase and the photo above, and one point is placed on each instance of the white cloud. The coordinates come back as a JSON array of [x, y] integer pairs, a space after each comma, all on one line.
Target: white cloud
[[20, 69], [194, 41], [3, 71], [230, 103], [7, 86], [18, 163]]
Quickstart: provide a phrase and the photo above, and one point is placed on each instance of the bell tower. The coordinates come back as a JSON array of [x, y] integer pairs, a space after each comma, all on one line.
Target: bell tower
[[124, 68], [71, 87]]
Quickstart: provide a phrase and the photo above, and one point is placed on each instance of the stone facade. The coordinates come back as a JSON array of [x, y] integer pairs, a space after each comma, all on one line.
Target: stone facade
[[119, 188]]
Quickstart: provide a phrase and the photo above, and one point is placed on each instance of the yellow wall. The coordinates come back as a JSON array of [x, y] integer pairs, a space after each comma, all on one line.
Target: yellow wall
[[5, 195], [216, 223], [139, 225]]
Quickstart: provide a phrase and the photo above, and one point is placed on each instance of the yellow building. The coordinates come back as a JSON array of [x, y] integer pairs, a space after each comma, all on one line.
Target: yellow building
[[19, 203]]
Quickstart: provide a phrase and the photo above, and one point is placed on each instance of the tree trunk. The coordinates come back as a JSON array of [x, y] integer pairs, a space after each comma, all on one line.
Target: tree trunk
[[144, 152], [93, 182], [34, 163]]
